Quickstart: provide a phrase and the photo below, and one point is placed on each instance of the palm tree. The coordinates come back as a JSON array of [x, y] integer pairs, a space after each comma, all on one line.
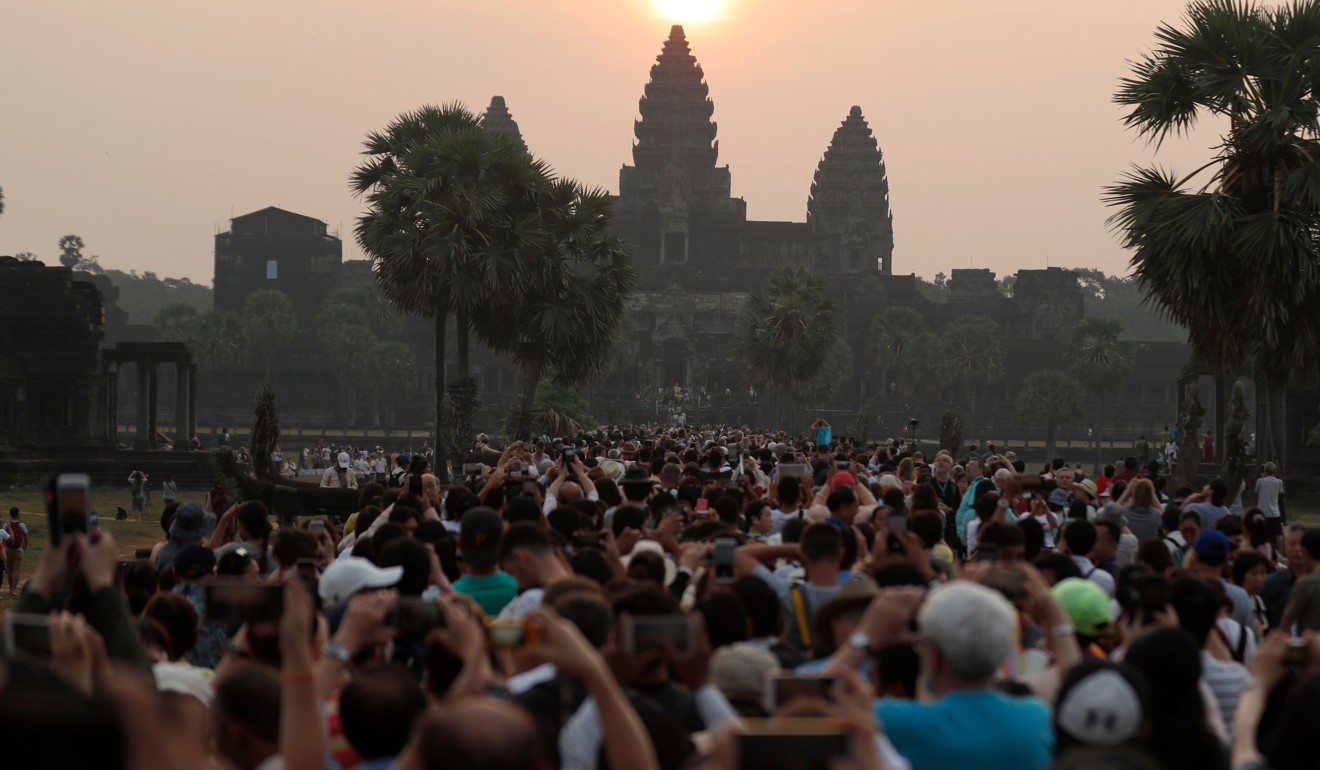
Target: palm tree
[[784, 333], [899, 342], [1233, 259], [446, 224], [971, 354], [572, 304], [1050, 398], [71, 247], [1101, 358], [272, 322], [389, 364]]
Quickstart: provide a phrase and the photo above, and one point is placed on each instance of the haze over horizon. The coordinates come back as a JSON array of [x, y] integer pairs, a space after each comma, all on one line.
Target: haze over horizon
[[144, 126]]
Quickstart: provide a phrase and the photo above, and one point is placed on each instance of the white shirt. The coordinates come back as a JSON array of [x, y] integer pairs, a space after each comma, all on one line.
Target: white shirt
[[582, 736], [779, 518], [523, 604], [1095, 574]]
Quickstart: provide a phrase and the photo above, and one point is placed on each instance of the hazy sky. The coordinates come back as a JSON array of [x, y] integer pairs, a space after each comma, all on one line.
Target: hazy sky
[[144, 126]]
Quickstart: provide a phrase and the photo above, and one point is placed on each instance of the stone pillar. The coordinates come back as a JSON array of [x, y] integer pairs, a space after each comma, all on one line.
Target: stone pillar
[[182, 406], [192, 399], [152, 403], [143, 408]]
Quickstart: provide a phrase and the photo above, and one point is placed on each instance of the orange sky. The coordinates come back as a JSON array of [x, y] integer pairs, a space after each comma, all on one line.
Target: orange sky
[[143, 126]]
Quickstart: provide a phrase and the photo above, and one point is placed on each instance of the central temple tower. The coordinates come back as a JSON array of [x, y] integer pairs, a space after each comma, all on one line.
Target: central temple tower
[[674, 202]]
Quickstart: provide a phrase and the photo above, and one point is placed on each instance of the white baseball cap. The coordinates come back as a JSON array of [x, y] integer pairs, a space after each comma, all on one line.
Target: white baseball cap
[[351, 574], [343, 459]]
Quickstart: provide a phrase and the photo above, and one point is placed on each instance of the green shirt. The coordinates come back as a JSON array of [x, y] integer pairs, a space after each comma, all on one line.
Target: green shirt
[[491, 591]]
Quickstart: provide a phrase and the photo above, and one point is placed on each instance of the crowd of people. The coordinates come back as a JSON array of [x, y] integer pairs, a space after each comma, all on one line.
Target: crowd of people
[[687, 597]]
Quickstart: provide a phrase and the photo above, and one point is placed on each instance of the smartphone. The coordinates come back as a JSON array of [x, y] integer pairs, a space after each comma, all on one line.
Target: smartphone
[[316, 527], [517, 634], [703, 507], [27, 634], [787, 470], [842, 465], [588, 540], [472, 470], [73, 504], [529, 486], [897, 525], [1006, 581], [412, 616], [786, 688], [1296, 654], [644, 633], [235, 603], [793, 749], [723, 559]]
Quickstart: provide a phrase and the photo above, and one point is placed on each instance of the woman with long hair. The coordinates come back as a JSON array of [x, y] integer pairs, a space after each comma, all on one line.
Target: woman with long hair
[[1141, 506], [1179, 733]]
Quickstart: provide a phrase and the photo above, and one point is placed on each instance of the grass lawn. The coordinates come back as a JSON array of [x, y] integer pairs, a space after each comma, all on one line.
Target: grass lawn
[[129, 535]]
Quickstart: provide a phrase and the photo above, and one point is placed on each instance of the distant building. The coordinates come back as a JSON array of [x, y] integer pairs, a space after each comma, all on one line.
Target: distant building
[[277, 249]]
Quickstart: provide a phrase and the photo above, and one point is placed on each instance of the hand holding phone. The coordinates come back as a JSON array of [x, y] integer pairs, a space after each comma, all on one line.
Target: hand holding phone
[[722, 561]]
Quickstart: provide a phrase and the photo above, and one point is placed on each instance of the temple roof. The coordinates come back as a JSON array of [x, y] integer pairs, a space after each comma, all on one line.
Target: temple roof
[[850, 186], [676, 112], [498, 119]]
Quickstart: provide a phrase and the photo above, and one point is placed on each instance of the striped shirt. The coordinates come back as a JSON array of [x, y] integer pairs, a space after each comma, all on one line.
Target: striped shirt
[[1225, 680]]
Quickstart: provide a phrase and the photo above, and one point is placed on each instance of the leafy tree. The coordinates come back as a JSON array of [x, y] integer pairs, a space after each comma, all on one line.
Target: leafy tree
[[784, 332], [446, 223], [176, 322], [2, 200], [1235, 455], [71, 247], [1050, 398], [142, 298], [1234, 259], [389, 365], [557, 398], [343, 336], [271, 321], [25, 256], [572, 304], [901, 344], [265, 435], [971, 354], [219, 341], [1100, 357]]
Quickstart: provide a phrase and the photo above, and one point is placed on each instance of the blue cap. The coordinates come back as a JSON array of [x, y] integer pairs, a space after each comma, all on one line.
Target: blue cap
[[1212, 547], [403, 457]]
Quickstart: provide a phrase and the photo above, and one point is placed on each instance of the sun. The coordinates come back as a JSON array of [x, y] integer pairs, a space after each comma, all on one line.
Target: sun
[[690, 11]]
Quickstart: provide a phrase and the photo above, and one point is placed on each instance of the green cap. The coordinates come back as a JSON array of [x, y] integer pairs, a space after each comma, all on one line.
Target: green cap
[[1086, 603]]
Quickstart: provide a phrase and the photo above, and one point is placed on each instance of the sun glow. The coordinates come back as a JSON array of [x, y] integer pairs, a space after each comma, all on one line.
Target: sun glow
[[690, 11]]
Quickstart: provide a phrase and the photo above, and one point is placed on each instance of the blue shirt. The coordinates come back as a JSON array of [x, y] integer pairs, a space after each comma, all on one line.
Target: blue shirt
[[973, 729]]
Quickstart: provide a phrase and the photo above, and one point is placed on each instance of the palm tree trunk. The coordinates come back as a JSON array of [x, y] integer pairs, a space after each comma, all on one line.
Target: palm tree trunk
[[531, 379], [1051, 440], [970, 399], [462, 341], [1095, 423], [441, 437]]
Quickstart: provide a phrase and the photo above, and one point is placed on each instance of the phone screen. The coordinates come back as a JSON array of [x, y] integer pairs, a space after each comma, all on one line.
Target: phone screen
[[791, 750], [643, 633], [703, 505], [725, 548], [27, 634], [236, 603], [412, 616]]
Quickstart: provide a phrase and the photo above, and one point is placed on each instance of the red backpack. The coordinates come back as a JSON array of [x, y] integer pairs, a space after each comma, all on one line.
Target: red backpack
[[17, 537]]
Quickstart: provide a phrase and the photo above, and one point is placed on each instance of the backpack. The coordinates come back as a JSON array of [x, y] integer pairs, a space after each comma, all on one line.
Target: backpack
[[17, 537]]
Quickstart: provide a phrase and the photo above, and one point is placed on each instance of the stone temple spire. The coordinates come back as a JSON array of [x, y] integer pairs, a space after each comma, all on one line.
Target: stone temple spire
[[849, 203], [497, 119], [676, 147]]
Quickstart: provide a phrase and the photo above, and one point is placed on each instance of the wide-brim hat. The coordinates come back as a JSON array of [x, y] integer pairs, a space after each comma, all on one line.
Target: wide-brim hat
[[189, 523]]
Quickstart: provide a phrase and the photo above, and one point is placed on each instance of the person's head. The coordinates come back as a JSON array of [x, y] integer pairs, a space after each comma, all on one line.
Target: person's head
[[569, 493], [943, 465], [479, 539], [842, 504], [1006, 538], [1308, 551], [476, 733], [526, 552], [1197, 606], [179, 619], [928, 527], [377, 709], [1155, 555], [1270, 469], [725, 619], [1100, 704], [1106, 541], [765, 615], [14, 513], [1079, 536], [1055, 567], [291, 545], [1063, 478], [414, 558], [1142, 495], [968, 630], [1292, 549], [790, 492], [1250, 569], [1178, 735], [246, 713], [759, 516], [1212, 549], [742, 673], [821, 543], [1189, 526]]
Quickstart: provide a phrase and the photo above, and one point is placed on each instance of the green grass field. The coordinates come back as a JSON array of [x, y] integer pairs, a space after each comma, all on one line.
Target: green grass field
[[129, 535]]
